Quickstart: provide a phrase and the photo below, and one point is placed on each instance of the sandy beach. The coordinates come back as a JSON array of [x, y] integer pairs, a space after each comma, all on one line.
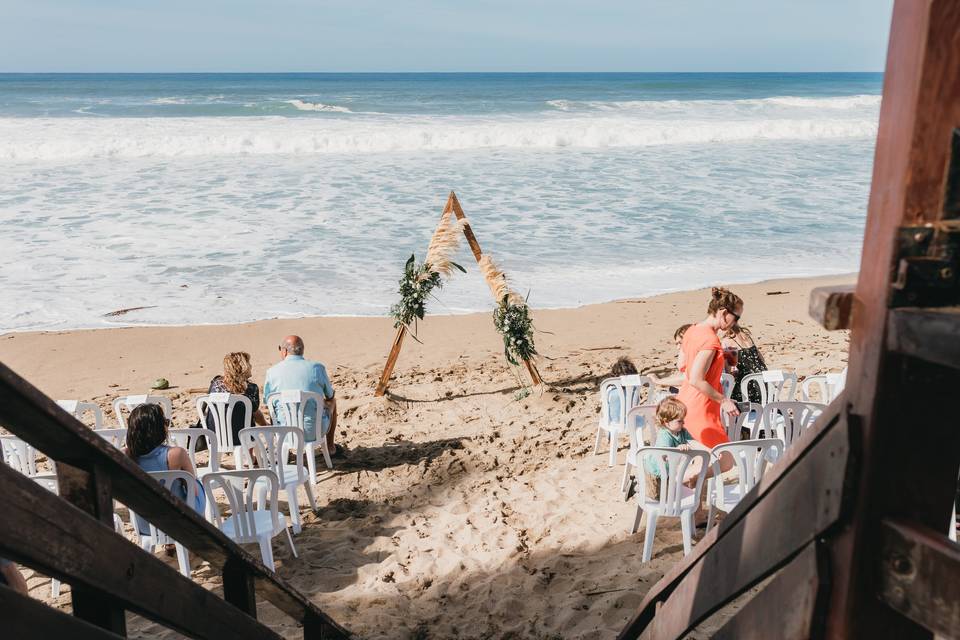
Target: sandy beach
[[463, 509]]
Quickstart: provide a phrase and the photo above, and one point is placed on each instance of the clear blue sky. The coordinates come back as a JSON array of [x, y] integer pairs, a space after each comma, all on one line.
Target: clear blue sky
[[451, 35]]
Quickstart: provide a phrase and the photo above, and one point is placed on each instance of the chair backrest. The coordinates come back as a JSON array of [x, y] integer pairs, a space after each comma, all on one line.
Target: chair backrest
[[221, 407], [727, 383], [734, 425], [789, 420], [291, 407], [271, 447], [642, 426], [241, 489], [116, 437], [633, 390], [132, 402], [19, 455], [775, 385], [751, 458], [77, 409], [168, 479], [612, 403], [815, 389], [48, 481], [189, 438], [823, 388], [672, 465]]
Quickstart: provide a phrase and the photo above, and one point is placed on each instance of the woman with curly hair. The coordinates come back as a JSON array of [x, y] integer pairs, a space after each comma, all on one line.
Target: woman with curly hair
[[146, 444], [235, 379]]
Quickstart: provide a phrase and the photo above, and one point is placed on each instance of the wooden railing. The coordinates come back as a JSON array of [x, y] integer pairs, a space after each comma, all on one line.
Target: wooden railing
[[71, 537]]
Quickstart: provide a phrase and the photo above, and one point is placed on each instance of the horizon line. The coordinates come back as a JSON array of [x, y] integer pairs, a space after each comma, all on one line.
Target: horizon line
[[419, 72]]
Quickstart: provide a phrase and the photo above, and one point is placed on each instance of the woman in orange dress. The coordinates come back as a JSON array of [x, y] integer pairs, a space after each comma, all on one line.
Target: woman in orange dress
[[701, 392]]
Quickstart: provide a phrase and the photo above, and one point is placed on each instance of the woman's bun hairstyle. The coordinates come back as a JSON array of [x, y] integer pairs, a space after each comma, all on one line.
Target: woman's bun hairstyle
[[721, 298]]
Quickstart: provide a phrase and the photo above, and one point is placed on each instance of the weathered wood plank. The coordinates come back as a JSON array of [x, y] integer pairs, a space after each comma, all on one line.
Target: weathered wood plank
[[663, 589], [239, 588], [30, 415], [89, 491], [928, 334], [25, 619], [920, 576], [832, 307], [920, 109], [43, 531], [788, 607]]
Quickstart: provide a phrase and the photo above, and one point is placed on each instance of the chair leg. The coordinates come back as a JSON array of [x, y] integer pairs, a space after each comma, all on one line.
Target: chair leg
[[289, 538], [626, 477], [183, 558], [312, 462], [54, 588], [266, 551], [291, 491], [596, 445], [710, 514], [310, 497], [648, 538], [613, 449], [326, 454], [686, 527], [636, 519]]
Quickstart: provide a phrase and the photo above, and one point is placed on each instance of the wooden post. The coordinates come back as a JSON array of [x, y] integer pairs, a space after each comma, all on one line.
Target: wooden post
[[91, 492], [453, 205], [391, 361]]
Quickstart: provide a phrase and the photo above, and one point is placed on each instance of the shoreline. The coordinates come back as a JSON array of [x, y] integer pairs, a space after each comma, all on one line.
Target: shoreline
[[109, 327], [132, 357]]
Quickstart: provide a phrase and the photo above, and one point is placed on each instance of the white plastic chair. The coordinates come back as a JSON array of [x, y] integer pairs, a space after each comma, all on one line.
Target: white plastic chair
[[775, 385], [624, 392], [132, 402], [294, 406], [221, 407], [77, 408], [789, 420], [828, 386], [727, 383], [248, 522], [188, 439], [20, 455], [156, 538], [116, 437], [641, 427], [751, 458], [676, 499], [749, 420], [271, 447]]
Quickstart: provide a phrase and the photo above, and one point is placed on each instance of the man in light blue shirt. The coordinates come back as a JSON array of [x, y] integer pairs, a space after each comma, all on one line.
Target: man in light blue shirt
[[294, 373]]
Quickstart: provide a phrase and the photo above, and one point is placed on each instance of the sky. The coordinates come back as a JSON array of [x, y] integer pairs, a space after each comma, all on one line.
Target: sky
[[435, 35]]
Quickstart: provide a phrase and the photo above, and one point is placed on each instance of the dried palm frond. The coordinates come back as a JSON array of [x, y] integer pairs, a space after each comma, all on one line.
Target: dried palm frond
[[497, 281], [444, 244]]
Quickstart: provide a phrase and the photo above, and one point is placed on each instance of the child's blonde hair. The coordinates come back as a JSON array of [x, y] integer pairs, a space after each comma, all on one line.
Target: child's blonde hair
[[670, 409]]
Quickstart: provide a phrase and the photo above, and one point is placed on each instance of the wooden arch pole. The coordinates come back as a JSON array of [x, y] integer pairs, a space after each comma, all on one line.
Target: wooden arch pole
[[453, 205]]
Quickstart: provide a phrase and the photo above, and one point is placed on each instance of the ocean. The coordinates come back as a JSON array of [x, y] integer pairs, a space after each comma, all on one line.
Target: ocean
[[216, 198]]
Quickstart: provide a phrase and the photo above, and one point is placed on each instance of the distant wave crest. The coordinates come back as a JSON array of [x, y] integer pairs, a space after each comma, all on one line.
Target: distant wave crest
[[300, 105], [863, 101], [73, 138]]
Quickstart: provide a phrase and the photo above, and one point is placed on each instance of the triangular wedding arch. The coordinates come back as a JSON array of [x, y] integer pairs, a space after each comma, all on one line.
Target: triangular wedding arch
[[452, 207]]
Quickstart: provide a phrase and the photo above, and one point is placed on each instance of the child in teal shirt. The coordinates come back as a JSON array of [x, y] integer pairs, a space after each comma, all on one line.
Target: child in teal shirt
[[670, 433]]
